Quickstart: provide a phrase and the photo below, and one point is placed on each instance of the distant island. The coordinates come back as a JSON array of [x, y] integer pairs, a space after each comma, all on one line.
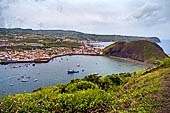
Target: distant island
[[80, 36]]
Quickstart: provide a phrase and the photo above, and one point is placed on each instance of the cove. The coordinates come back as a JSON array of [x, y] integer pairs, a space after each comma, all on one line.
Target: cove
[[55, 71]]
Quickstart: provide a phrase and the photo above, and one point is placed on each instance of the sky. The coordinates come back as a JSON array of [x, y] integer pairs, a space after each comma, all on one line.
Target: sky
[[121, 17]]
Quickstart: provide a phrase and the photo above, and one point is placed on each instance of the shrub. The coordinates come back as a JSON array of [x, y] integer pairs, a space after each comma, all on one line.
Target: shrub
[[110, 81], [166, 62], [82, 85], [93, 78]]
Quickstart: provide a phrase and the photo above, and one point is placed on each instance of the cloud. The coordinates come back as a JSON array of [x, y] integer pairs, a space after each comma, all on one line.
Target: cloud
[[128, 17], [152, 13], [147, 11]]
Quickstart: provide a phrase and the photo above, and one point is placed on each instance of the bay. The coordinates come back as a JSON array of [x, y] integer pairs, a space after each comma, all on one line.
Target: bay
[[55, 72], [165, 44]]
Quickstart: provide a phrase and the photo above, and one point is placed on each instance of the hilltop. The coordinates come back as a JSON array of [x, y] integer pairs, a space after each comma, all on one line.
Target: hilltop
[[140, 50], [79, 35], [144, 91]]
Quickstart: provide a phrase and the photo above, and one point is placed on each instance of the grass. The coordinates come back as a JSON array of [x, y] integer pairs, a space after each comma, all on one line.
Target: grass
[[141, 92]]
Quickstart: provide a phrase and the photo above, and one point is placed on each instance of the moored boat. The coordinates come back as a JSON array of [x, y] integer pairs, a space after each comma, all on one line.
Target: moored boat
[[35, 80], [83, 70], [11, 84], [95, 73], [71, 71], [24, 80]]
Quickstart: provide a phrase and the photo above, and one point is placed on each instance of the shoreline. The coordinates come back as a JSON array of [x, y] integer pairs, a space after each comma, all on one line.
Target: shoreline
[[133, 61], [47, 60], [125, 59]]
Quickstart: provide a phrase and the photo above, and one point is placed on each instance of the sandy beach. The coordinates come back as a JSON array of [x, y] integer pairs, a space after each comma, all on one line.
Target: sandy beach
[[133, 61]]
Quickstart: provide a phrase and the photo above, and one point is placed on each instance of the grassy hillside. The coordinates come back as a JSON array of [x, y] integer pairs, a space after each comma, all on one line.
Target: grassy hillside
[[80, 36], [144, 91], [140, 50]]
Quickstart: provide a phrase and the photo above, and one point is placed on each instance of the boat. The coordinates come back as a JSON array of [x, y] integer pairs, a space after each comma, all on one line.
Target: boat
[[83, 70], [78, 65], [71, 71], [96, 73], [28, 77], [24, 80], [14, 67], [35, 80], [22, 76], [11, 84]]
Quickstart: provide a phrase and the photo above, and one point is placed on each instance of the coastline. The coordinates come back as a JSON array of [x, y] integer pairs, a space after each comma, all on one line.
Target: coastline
[[125, 59], [47, 60], [133, 61]]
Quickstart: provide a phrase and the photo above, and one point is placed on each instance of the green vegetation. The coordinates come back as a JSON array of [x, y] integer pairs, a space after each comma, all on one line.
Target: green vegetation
[[141, 50], [108, 38], [80, 36], [22, 48], [28, 40], [37, 43], [144, 91], [72, 44], [41, 60]]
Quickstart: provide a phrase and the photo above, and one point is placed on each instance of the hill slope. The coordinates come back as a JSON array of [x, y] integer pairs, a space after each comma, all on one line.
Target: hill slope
[[80, 35], [141, 50], [146, 91]]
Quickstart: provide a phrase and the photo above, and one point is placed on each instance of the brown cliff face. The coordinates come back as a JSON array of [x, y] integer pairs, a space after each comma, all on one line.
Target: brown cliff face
[[141, 50]]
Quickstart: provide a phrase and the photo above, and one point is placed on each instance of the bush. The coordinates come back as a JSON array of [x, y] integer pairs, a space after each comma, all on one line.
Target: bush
[[82, 85], [166, 62], [93, 78], [110, 81]]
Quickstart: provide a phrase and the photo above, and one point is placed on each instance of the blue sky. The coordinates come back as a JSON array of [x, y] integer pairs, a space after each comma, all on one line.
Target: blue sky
[[124, 17]]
